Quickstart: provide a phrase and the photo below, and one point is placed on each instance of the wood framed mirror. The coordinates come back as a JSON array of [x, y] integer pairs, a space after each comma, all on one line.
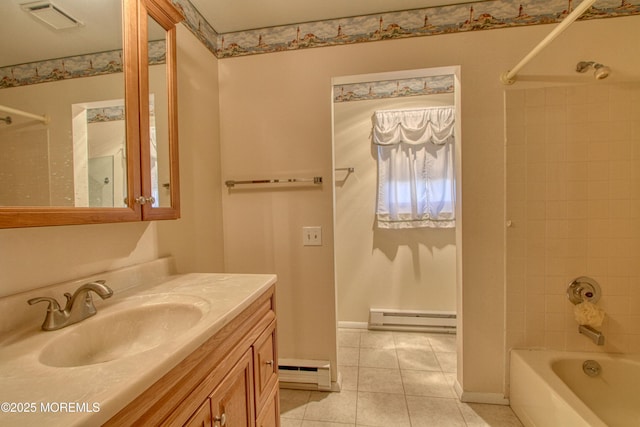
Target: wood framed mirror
[[158, 109], [82, 68]]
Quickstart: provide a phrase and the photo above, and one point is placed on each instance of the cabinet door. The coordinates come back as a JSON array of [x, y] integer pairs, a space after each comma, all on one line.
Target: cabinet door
[[232, 401], [269, 416], [158, 111], [202, 417], [265, 365]]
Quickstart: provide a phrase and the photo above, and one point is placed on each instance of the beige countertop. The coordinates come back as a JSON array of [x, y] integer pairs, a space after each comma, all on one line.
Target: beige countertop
[[32, 393]]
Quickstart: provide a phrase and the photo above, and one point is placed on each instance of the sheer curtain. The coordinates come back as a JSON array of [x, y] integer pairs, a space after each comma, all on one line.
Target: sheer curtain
[[416, 186]]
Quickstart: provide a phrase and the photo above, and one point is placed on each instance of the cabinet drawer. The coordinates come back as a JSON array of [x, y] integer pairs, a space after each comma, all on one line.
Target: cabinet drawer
[[265, 365]]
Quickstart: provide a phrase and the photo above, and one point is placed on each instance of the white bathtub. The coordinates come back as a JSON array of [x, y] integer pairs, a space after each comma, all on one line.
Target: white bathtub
[[549, 388]]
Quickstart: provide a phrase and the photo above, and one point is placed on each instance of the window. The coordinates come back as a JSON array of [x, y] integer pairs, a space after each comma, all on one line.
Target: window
[[416, 186]]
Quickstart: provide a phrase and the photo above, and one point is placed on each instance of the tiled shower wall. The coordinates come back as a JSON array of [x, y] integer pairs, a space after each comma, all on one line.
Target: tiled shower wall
[[573, 209], [24, 166]]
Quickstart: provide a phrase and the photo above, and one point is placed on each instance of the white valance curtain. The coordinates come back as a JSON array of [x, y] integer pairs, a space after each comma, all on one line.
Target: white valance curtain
[[416, 186]]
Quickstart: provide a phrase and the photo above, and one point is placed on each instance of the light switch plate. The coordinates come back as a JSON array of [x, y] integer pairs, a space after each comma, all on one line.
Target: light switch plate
[[312, 236]]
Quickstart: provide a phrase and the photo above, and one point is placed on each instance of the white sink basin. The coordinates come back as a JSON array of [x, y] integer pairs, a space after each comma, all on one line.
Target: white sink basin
[[123, 331]]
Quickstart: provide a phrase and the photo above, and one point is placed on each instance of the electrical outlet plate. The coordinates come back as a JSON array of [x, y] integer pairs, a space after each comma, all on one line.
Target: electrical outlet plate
[[312, 236]]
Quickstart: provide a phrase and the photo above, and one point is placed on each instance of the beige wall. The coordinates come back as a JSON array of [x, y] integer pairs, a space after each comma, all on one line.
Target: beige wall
[[277, 120], [377, 268], [573, 199], [35, 257], [196, 239], [264, 135]]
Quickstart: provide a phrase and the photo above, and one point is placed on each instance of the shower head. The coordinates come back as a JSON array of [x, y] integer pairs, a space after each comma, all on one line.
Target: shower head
[[600, 71]]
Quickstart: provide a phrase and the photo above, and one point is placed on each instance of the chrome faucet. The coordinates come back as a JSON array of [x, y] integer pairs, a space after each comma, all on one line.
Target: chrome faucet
[[596, 336], [79, 305]]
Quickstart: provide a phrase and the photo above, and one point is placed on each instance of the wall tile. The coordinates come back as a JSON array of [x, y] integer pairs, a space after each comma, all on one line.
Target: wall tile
[[556, 96], [576, 95], [582, 215]]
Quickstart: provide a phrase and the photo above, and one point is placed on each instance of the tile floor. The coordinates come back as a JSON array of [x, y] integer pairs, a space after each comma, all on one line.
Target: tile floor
[[392, 379]]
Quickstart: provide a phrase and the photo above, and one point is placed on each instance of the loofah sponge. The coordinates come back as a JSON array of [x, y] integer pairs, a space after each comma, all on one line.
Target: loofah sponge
[[587, 313]]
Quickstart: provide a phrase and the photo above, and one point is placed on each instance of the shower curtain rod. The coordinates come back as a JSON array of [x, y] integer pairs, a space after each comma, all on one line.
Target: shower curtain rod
[[509, 77], [43, 119]]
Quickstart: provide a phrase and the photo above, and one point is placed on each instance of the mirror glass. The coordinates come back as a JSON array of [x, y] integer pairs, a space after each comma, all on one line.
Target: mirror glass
[[62, 60], [158, 115]]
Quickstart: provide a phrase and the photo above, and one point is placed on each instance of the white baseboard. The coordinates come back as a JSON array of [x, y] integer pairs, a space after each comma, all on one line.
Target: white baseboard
[[336, 386], [478, 397], [353, 325]]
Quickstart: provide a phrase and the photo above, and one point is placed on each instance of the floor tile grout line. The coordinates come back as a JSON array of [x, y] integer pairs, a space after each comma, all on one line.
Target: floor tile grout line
[[464, 420], [306, 406], [404, 389]]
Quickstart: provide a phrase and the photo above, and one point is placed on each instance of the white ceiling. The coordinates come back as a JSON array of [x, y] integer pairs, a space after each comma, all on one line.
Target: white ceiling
[[227, 16], [25, 38]]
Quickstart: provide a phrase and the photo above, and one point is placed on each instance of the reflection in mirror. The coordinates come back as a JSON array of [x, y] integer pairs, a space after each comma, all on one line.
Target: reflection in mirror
[[99, 141], [24, 166], [50, 164], [101, 181], [158, 115]]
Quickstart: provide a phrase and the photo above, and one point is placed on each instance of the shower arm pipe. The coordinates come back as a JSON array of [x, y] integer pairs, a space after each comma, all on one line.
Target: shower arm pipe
[[509, 77], [43, 119]]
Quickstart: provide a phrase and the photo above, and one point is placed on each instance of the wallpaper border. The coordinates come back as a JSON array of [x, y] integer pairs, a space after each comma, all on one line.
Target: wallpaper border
[[484, 15]]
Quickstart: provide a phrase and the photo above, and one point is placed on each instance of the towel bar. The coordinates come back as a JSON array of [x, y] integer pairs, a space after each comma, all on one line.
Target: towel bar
[[314, 180]]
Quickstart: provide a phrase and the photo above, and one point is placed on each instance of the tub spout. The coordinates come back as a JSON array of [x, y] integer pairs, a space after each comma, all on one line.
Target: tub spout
[[595, 335]]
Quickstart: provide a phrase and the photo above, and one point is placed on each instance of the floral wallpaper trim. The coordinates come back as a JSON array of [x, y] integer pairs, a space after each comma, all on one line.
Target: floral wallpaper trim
[[72, 67], [197, 24], [393, 88], [475, 16], [492, 14], [107, 114]]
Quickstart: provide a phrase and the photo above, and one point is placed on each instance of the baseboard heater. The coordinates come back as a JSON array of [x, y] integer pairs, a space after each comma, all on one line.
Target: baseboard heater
[[305, 374], [413, 320]]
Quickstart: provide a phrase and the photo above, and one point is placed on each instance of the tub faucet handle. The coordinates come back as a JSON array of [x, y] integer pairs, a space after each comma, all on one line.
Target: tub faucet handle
[[583, 289]]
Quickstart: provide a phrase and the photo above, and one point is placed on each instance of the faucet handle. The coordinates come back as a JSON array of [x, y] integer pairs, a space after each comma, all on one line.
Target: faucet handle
[[53, 304], [54, 317]]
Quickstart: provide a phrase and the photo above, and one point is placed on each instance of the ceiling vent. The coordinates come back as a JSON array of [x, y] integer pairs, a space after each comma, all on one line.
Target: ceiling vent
[[51, 14]]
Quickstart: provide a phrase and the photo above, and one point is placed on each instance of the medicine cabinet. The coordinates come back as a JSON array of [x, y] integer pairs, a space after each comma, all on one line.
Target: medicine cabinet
[[88, 113]]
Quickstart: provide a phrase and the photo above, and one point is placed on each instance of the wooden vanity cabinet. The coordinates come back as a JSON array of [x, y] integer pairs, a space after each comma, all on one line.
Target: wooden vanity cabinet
[[231, 403], [269, 416], [231, 380], [202, 418], [265, 368]]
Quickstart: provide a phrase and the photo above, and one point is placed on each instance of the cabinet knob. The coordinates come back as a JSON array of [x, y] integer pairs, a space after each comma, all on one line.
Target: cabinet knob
[[142, 200], [222, 420], [269, 362]]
